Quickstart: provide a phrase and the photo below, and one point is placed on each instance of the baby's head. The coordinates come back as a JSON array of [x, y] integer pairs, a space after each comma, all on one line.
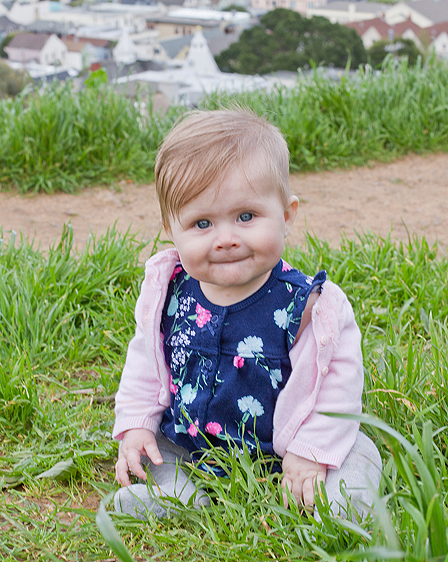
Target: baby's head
[[222, 179], [206, 145]]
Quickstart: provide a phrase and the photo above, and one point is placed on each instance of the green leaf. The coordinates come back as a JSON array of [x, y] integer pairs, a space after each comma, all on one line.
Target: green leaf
[[110, 534], [62, 470]]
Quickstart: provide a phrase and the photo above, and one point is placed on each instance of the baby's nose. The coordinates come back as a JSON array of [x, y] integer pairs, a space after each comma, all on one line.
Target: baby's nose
[[226, 239]]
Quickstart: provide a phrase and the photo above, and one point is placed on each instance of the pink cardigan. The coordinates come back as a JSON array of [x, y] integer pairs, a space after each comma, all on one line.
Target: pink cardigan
[[327, 373]]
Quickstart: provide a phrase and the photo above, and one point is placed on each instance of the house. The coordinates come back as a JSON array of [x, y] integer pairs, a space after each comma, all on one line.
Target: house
[[437, 36], [184, 21], [109, 16], [424, 13], [7, 27], [344, 11], [297, 5], [82, 52], [169, 26], [37, 47], [375, 29], [217, 41], [432, 38], [27, 12], [47, 26], [198, 76]]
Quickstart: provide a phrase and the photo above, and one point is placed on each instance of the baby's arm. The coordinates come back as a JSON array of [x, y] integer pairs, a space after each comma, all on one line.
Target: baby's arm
[[135, 443], [327, 367], [299, 474], [302, 477]]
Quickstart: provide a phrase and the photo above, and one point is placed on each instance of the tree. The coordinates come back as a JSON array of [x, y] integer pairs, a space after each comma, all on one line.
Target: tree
[[6, 41], [11, 81], [284, 40], [399, 48], [234, 8]]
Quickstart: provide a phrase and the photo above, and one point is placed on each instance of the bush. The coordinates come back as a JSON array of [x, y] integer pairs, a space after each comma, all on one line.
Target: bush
[[12, 81], [399, 48]]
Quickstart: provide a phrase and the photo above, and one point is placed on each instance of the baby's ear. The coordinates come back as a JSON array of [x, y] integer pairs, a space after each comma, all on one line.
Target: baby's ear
[[167, 229], [291, 213]]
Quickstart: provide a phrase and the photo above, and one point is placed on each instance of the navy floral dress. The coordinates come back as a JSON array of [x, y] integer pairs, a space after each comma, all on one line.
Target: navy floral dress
[[228, 364]]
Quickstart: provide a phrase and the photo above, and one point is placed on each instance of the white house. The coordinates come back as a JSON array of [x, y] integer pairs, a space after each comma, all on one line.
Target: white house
[[424, 13], [438, 37], [125, 51], [81, 53], [297, 5], [98, 16], [26, 13], [198, 76], [344, 11], [374, 30], [37, 47]]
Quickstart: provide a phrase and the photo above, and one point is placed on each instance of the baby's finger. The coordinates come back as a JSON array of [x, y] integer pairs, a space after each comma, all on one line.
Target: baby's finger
[[153, 452], [308, 491], [121, 472], [292, 489], [134, 464]]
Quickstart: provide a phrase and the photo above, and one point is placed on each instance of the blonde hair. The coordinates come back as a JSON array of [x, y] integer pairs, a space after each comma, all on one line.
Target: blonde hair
[[205, 145]]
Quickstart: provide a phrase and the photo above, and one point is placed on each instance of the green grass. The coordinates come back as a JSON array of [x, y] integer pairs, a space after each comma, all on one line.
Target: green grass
[[65, 320], [64, 140]]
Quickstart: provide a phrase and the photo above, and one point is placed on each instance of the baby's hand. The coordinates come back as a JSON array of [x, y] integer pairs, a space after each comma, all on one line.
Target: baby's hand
[[136, 442], [300, 478]]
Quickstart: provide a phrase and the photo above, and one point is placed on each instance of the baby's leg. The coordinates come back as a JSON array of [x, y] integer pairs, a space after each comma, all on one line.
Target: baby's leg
[[170, 480], [361, 473]]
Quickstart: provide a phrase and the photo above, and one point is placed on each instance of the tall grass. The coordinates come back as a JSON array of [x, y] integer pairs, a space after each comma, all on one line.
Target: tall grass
[[372, 116], [65, 320], [63, 140], [60, 139]]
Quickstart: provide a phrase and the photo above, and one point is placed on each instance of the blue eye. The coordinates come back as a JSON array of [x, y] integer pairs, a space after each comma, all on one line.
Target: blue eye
[[246, 217], [203, 223]]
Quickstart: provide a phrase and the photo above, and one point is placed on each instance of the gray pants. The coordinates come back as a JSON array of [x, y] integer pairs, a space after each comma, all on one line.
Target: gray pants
[[360, 473]]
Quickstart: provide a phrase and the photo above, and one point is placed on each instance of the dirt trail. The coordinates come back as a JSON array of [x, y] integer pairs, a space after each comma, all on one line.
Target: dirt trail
[[410, 194]]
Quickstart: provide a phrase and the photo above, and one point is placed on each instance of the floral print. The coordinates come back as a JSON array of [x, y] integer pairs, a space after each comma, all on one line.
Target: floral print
[[238, 361], [204, 315], [276, 377], [250, 346], [214, 428], [286, 266], [281, 318], [228, 364], [193, 429]]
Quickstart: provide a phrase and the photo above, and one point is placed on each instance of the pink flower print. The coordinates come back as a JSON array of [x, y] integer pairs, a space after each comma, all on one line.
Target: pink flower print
[[173, 387], [286, 266], [204, 315], [213, 428], [177, 269], [238, 361], [193, 429]]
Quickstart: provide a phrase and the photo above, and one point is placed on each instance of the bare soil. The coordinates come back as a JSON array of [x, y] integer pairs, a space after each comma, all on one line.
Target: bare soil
[[409, 195]]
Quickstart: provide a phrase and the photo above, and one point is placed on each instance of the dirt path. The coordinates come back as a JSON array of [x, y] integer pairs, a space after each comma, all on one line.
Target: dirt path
[[411, 194]]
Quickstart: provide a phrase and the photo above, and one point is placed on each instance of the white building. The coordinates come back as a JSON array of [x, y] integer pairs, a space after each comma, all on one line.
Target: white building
[[103, 16], [25, 13], [424, 13], [197, 77], [344, 11], [40, 48]]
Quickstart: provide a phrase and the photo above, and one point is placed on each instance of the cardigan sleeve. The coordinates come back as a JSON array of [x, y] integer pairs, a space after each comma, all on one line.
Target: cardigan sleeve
[[327, 377], [143, 393]]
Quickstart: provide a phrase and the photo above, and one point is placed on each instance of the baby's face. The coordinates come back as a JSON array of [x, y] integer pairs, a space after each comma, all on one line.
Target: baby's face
[[231, 236]]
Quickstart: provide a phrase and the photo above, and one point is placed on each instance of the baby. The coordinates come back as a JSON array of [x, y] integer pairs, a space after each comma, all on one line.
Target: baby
[[231, 341]]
